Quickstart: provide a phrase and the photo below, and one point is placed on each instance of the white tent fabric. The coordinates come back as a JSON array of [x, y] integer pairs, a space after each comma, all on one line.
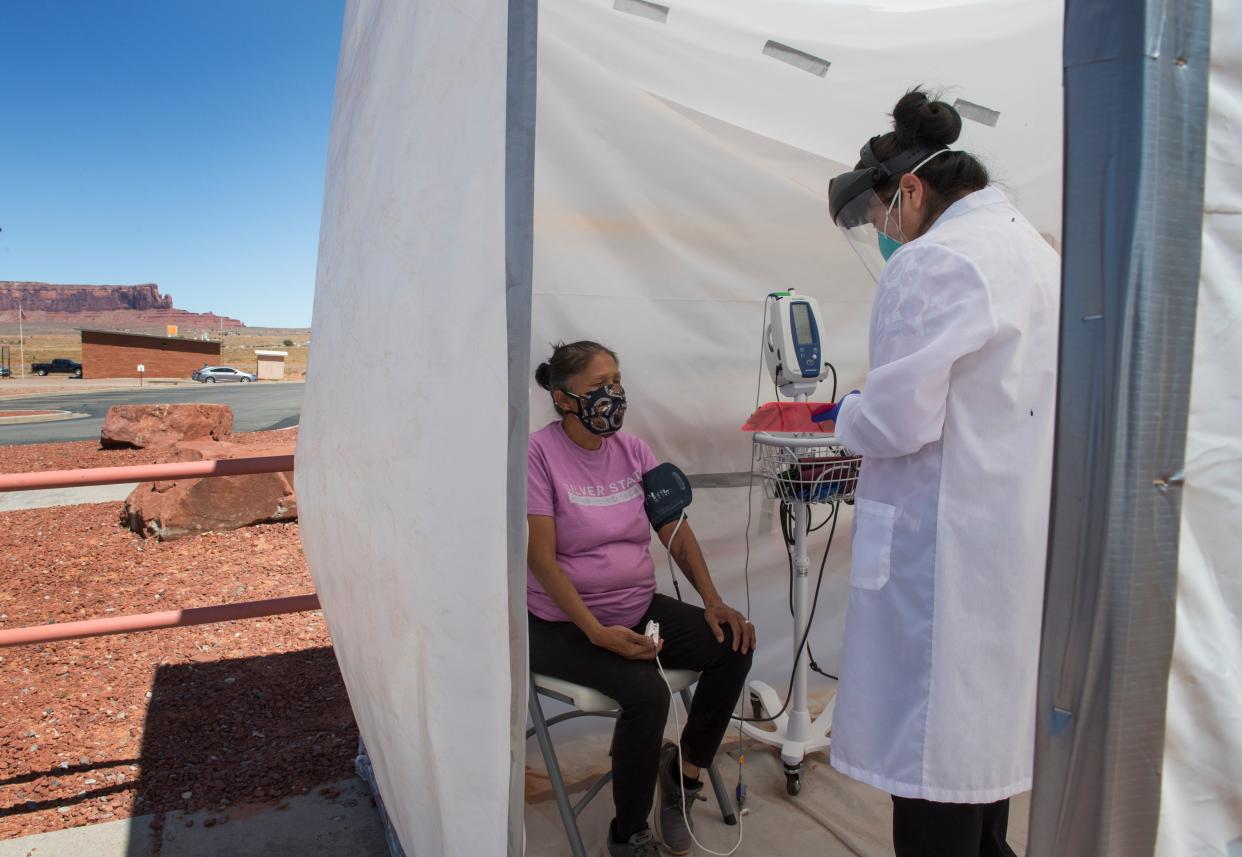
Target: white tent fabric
[[1201, 802], [402, 453], [682, 163], [683, 153], [681, 174]]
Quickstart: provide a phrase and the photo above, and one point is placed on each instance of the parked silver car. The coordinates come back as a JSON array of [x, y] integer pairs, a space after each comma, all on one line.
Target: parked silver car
[[212, 374]]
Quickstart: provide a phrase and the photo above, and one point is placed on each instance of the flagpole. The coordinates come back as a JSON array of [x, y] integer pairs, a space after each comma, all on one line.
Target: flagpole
[[21, 339]]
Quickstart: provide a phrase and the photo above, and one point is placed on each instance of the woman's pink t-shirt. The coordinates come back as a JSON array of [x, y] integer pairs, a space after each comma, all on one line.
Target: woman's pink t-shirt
[[603, 537]]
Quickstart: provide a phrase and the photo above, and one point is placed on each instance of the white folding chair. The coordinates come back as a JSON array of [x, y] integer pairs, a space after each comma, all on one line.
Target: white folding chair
[[587, 702]]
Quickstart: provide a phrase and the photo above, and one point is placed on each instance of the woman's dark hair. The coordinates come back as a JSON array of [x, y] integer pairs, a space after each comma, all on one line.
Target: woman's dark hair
[[918, 119], [567, 360]]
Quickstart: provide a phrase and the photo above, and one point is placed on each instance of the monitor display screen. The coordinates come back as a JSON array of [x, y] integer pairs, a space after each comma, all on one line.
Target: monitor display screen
[[802, 324]]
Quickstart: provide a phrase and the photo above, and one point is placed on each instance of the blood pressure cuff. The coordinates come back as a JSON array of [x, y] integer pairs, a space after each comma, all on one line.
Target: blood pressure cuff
[[666, 493]]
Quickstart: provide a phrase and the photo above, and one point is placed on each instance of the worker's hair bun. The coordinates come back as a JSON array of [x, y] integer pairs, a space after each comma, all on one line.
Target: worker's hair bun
[[919, 119], [543, 376]]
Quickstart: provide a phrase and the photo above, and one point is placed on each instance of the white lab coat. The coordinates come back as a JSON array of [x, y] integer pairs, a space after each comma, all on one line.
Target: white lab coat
[[955, 423]]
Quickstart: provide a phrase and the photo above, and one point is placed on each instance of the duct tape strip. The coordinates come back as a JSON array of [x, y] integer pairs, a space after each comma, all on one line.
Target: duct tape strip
[[796, 58], [739, 479], [977, 112], [643, 9]]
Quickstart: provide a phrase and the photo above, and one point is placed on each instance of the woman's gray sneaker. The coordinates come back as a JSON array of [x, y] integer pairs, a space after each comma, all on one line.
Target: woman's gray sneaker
[[671, 821]]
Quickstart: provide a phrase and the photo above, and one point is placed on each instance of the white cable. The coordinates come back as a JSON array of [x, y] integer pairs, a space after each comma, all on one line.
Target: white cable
[[750, 484], [668, 553], [738, 718], [681, 782]]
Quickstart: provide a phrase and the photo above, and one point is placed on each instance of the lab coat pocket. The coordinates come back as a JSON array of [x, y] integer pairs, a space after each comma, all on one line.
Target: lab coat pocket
[[873, 543]]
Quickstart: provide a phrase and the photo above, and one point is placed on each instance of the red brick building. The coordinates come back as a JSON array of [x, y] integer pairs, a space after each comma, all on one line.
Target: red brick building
[[112, 354]]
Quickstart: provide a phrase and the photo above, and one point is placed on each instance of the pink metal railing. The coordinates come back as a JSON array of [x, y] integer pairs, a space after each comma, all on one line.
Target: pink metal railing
[[156, 621], [146, 473], [165, 618]]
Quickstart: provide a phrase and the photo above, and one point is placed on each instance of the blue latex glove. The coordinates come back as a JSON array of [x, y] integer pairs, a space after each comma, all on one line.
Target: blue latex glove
[[829, 413]]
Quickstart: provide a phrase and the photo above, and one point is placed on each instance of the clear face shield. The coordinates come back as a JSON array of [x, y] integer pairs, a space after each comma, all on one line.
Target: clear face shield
[[871, 224], [871, 227]]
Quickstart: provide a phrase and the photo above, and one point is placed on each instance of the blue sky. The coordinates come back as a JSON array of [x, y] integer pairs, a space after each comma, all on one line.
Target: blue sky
[[175, 142]]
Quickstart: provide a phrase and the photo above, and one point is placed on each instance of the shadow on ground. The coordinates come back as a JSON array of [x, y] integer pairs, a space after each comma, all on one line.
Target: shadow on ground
[[245, 731], [222, 741]]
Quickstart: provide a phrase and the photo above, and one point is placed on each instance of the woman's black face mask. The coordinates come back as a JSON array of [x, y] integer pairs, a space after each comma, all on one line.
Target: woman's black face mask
[[601, 410]]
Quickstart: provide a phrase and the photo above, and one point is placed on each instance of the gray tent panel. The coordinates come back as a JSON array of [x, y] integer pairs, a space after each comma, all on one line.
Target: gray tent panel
[[519, 268], [1136, 114]]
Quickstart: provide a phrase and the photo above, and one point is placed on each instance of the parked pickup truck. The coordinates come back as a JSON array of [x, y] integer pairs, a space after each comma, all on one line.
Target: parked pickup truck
[[59, 365]]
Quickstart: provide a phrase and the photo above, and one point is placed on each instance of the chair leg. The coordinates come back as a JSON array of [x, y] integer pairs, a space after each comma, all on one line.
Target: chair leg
[[713, 773], [722, 795], [554, 775]]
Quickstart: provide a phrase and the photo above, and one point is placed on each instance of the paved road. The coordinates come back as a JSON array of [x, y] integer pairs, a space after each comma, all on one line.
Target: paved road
[[256, 407]]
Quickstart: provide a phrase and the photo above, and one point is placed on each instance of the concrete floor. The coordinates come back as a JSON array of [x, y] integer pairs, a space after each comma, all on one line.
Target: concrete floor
[[45, 498], [307, 826], [833, 816]]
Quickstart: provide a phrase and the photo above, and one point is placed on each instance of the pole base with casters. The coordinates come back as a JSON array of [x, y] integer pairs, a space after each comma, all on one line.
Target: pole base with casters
[[799, 470], [796, 734]]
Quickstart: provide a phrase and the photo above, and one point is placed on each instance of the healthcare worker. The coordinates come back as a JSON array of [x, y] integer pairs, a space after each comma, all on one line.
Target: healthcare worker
[[936, 704]]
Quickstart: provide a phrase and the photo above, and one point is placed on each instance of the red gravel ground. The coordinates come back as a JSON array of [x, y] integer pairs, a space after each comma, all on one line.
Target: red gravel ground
[[206, 717]]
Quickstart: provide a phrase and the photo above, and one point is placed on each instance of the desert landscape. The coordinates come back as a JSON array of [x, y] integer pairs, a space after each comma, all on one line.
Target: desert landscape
[[53, 314]]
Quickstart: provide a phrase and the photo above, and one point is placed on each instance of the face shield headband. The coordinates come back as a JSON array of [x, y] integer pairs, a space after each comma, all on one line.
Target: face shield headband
[[848, 187], [856, 207]]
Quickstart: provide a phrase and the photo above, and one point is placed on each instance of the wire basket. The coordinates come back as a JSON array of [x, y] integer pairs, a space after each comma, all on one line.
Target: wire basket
[[809, 470]]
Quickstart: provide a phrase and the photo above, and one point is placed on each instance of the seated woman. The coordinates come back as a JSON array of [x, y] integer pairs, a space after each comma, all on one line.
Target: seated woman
[[591, 591]]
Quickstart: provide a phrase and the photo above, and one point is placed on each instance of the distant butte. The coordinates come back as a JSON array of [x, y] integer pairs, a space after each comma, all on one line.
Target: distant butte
[[53, 305]]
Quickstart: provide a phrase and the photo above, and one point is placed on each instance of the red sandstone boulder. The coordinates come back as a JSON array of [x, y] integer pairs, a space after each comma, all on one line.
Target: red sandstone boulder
[[183, 507], [143, 426]]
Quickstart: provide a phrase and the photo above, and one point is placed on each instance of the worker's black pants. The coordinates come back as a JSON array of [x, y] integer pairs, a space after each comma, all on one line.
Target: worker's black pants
[[924, 828], [561, 650]]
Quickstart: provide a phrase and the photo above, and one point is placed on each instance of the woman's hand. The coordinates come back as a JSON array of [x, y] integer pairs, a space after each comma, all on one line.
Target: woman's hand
[[626, 643], [721, 614]]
